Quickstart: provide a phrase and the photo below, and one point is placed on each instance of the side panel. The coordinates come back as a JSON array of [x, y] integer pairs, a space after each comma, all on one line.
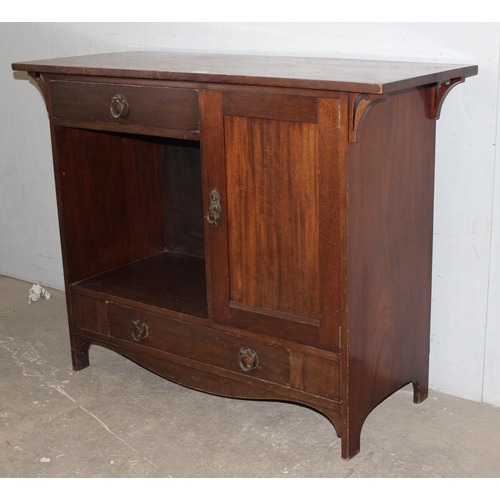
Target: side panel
[[111, 199], [391, 190]]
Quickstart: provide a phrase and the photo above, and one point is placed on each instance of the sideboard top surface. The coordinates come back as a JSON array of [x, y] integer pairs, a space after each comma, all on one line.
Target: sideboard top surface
[[350, 75]]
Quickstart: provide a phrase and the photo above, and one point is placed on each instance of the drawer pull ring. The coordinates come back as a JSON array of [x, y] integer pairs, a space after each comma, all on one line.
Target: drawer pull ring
[[139, 330], [248, 359], [213, 216], [119, 106]]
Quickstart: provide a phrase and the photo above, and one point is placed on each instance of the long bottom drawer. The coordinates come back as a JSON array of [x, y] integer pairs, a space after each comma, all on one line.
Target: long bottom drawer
[[206, 345]]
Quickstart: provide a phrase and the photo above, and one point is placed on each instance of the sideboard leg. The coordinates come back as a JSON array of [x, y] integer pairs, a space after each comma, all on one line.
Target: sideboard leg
[[420, 392], [351, 441], [80, 353]]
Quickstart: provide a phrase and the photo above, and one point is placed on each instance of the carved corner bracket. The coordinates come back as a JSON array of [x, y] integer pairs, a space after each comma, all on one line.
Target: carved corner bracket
[[42, 85], [440, 92], [359, 105]]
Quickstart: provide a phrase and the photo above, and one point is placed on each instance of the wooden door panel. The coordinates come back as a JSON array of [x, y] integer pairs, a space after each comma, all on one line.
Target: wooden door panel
[[272, 196], [276, 260]]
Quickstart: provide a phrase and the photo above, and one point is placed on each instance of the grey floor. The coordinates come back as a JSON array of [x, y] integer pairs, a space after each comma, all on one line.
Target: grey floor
[[115, 419]]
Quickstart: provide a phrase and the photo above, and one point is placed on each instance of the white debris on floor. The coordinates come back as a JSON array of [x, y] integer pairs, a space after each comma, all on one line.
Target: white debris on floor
[[37, 292]]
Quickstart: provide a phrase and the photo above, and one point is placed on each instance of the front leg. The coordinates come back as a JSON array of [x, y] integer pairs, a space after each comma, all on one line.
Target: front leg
[[80, 352]]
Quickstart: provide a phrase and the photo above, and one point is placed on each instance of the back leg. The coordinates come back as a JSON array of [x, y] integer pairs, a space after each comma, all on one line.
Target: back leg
[[420, 392]]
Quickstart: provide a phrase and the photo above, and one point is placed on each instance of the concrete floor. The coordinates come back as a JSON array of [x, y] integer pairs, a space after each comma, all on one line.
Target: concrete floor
[[115, 419]]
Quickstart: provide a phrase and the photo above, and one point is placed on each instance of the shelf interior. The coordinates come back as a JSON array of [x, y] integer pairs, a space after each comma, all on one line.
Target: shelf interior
[[167, 280]]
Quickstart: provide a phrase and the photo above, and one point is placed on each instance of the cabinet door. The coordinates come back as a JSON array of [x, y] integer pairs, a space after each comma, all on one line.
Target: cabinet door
[[275, 189]]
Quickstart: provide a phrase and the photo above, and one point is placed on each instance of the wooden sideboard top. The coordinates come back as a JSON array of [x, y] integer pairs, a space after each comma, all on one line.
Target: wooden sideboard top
[[349, 75]]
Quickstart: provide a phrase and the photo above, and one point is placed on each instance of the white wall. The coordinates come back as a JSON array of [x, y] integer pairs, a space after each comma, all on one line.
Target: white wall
[[465, 343]]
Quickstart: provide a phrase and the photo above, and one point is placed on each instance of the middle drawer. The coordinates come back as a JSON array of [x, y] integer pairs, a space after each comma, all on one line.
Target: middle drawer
[[206, 345]]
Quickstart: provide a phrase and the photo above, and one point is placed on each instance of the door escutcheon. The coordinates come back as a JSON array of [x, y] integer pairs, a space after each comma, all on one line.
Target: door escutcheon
[[213, 216]]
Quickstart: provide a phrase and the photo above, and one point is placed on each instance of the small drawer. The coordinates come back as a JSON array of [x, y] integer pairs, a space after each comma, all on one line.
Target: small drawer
[[206, 345], [113, 107]]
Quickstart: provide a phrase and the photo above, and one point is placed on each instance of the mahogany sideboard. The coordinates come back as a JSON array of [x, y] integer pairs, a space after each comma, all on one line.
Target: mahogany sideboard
[[249, 226]]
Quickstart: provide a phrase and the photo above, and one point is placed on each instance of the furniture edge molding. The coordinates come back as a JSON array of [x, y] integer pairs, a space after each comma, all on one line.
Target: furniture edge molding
[[359, 105], [439, 94]]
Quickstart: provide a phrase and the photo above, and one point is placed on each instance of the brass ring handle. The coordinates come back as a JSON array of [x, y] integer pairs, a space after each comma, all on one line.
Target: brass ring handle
[[139, 330], [248, 359], [119, 106], [213, 218]]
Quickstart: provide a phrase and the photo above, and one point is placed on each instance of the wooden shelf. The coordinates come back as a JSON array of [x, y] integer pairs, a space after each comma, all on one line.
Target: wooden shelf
[[167, 280]]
